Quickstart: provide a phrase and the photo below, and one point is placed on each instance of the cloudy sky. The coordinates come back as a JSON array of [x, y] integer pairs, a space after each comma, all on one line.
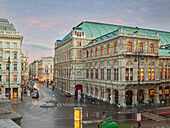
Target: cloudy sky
[[41, 22]]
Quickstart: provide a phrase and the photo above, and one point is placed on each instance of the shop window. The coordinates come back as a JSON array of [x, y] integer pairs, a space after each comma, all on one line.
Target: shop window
[[7, 77], [15, 77]]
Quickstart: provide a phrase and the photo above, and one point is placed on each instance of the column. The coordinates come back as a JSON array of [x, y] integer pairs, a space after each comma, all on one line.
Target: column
[[146, 95], [99, 93], [3, 91], [89, 92], [121, 98], [134, 98], [111, 93], [93, 92], [104, 93], [156, 96]]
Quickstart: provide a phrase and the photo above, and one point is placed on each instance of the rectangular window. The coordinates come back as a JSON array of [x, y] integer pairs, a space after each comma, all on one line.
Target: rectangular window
[[131, 74], [91, 52], [141, 74], [168, 73], [0, 45], [149, 73], [87, 73], [87, 54], [102, 74], [78, 43], [108, 74], [15, 77], [15, 66], [78, 54], [165, 73], [7, 45], [91, 73], [79, 34], [15, 56], [7, 55], [0, 77], [15, 45], [153, 74], [7, 77], [97, 75], [127, 74], [7, 66], [0, 66], [116, 74]]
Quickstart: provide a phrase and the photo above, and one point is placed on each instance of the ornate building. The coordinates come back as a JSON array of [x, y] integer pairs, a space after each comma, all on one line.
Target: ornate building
[[25, 67], [10, 51], [98, 59]]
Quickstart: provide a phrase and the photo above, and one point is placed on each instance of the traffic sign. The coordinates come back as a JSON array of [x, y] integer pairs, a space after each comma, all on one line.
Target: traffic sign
[[53, 94], [124, 100], [138, 117]]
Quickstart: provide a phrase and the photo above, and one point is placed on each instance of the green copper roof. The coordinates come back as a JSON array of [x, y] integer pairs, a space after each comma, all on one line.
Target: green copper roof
[[164, 52]]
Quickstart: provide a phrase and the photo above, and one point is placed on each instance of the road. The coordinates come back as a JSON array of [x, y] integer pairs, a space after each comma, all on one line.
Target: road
[[62, 116]]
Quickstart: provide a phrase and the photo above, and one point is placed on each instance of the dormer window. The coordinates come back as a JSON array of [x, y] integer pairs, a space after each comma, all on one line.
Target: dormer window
[[79, 34]]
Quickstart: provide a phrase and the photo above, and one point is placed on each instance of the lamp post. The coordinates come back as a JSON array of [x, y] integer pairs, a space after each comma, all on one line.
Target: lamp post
[[165, 83], [75, 80], [135, 60], [9, 78], [21, 86]]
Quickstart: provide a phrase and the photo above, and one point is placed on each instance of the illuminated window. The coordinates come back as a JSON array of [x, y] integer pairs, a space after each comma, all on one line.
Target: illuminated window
[[15, 77], [102, 50], [91, 52], [7, 77], [108, 49], [129, 47], [141, 47], [151, 48], [165, 74], [78, 54], [153, 73], [116, 47], [15, 66], [149, 73], [141, 74], [96, 51]]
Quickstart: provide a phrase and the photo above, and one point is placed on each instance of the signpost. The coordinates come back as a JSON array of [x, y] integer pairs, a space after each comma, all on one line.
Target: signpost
[[138, 117]]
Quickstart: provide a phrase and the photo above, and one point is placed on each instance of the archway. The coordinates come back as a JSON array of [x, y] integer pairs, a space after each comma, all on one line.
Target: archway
[[151, 94], [129, 95], [108, 95], [141, 96]]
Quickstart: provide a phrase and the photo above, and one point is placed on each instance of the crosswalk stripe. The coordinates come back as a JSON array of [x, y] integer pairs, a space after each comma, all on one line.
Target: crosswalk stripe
[[63, 104], [70, 104]]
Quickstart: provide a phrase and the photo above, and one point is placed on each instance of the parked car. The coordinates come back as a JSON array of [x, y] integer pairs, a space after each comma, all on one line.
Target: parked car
[[67, 94]]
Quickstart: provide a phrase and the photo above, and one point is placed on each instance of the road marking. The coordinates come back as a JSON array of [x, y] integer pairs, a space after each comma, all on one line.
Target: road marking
[[70, 104]]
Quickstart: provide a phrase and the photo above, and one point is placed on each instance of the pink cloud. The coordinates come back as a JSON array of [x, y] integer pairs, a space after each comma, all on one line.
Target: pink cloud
[[140, 19]]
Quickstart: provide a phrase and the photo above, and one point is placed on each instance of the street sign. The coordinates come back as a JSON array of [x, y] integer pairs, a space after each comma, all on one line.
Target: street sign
[[62, 85], [138, 117], [124, 100], [53, 94]]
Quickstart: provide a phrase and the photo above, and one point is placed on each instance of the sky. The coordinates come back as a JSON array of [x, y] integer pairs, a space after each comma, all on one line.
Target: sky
[[42, 22]]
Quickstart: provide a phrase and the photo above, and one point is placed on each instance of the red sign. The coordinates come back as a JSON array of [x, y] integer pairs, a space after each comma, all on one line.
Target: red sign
[[138, 117]]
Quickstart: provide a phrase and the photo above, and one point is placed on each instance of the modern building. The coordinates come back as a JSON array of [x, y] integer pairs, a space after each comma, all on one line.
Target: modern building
[[98, 59], [45, 69], [25, 67], [10, 51]]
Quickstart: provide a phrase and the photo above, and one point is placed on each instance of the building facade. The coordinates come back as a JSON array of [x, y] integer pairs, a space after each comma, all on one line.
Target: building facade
[[33, 69], [10, 51], [45, 69], [24, 68]]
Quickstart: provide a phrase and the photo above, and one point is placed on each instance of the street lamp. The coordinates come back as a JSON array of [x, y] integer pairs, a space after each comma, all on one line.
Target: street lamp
[[166, 66], [135, 60], [21, 85], [75, 80], [9, 78]]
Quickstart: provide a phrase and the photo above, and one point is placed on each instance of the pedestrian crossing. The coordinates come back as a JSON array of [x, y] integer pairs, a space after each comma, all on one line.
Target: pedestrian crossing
[[70, 105]]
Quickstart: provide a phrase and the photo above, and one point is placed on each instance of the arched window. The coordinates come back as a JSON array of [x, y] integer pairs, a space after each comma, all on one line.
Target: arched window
[[129, 47], [102, 50], [96, 51], [91, 52], [116, 47], [151, 48], [108, 49], [141, 47]]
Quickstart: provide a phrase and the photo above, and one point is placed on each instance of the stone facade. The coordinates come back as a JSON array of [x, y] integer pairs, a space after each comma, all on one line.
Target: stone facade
[[10, 47], [105, 68]]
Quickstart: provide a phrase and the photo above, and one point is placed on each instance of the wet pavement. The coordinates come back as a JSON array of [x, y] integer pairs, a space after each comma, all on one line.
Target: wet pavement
[[62, 116]]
